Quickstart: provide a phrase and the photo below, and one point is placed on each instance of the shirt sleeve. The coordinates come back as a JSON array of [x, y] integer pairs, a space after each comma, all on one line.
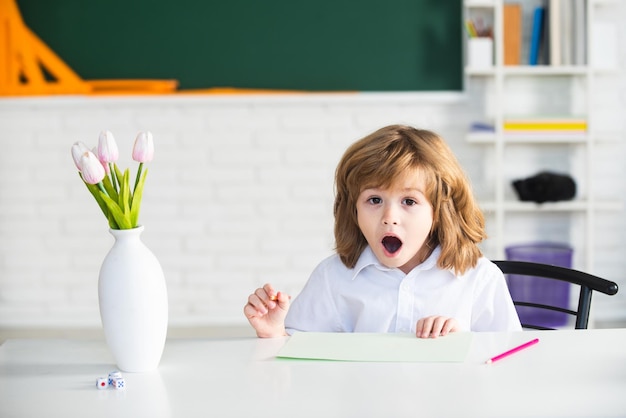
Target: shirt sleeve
[[314, 309], [493, 307]]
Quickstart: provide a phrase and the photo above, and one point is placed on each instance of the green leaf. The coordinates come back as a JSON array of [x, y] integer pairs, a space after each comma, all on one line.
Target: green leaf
[[118, 173], [124, 198], [138, 176], [120, 217], [108, 186], [112, 223], [136, 203], [97, 194]]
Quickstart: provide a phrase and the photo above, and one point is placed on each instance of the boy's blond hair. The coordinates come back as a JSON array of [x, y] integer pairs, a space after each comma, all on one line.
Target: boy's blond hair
[[380, 158]]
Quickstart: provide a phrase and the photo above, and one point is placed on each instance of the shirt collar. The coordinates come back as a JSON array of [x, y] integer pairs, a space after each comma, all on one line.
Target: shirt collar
[[368, 258]]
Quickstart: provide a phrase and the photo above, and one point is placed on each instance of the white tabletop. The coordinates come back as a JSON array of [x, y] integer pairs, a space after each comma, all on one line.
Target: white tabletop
[[569, 374]]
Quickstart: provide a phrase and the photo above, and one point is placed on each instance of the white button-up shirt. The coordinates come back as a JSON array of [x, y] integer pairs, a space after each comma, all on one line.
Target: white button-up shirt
[[373, 298]]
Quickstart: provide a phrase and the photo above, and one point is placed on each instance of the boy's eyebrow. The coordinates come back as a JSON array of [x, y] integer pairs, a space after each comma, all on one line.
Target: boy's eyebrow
[[404, 189], [413, 189]]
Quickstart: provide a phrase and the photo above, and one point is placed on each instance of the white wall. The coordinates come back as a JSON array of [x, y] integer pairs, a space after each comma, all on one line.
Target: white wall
[[240, 193]]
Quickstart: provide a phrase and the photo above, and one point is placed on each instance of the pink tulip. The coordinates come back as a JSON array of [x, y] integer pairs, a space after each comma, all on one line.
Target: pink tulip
[[107, 170], [78, 149], [143, 150], [107, 148], [91, 168]]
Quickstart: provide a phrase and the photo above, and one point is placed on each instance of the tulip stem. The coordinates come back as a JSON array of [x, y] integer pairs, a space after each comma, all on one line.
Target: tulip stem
[[114, 180], [102, 189], [138, 176]]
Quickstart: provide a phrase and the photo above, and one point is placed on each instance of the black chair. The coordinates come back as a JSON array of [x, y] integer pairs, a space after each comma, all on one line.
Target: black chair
[[587, 283]]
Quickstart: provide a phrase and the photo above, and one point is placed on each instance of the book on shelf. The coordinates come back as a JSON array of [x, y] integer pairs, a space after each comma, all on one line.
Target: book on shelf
[[512, 40], [580, 32], [482, 127], [544, 49], [554, 33], [567, 32], [545, 125], [567, 26], [537, 36], [546, 32]]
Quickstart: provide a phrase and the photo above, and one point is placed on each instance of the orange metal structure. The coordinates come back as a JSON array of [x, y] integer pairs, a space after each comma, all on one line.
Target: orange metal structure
[[29, 67]]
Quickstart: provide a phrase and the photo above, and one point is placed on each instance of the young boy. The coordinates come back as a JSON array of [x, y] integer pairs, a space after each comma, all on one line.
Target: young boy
[[406, 230]]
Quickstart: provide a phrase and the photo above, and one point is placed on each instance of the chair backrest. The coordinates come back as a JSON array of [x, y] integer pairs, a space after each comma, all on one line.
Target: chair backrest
[[523, 270]]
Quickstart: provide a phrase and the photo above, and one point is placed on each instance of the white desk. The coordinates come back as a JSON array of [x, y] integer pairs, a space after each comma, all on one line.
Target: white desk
[[241, 378]]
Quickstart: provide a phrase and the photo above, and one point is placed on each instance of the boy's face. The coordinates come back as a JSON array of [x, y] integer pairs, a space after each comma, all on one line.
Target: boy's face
[[396, 221]]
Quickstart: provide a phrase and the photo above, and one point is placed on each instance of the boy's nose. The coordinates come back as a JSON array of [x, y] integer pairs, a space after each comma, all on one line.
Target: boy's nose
[[390, 216]]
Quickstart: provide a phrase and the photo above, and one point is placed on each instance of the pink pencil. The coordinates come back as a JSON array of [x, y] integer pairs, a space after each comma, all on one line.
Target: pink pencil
[[513, 351]]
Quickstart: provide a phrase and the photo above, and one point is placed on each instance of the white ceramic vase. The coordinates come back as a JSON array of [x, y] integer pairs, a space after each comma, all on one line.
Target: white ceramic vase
[[133, 302]]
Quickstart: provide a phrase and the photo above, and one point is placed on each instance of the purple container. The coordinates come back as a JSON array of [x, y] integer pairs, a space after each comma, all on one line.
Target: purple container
[[537, 289]]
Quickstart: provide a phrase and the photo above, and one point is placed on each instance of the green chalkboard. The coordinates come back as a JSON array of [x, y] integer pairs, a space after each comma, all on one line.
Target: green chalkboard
[[321, 45]]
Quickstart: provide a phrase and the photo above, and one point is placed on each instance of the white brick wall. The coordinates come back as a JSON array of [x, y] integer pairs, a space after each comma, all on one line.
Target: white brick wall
[[240, 193]]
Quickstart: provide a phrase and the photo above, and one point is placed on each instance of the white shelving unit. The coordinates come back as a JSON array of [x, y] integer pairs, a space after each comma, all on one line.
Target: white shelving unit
[[499, 91]]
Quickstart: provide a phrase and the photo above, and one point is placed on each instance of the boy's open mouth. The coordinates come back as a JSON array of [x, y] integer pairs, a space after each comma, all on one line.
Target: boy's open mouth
[[392, 244]]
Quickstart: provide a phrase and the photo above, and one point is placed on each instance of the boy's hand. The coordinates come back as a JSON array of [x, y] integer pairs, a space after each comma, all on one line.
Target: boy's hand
[[266, 310], [435, 326]]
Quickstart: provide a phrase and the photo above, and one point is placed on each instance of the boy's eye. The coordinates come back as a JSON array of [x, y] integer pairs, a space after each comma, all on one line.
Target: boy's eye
[[375, 200], [409, 202]]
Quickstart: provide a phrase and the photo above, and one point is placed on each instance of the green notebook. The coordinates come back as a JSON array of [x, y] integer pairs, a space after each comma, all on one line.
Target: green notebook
[[376, 347]]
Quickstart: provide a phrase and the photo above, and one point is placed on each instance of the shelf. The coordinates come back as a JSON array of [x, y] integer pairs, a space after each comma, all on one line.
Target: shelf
[[545, 138], [538, 70], [502, 93], [481, 3], [481, 138], [535, 139], [535, 70], [492, 3], [531, 70], [531, 207], [486, 72]]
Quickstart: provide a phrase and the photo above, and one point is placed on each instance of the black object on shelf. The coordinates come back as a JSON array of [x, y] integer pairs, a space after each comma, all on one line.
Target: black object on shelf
[[545, 186]]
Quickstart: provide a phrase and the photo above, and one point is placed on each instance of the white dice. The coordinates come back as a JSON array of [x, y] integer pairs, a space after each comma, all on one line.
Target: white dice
[[115, 381], [114, 375], [119, 383], [102, 383]]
